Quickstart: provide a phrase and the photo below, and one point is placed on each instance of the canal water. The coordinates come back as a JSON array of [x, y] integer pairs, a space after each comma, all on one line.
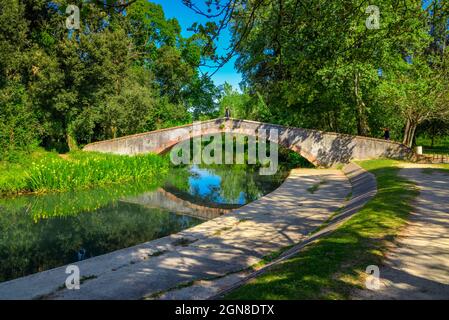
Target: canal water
[[38, 233]]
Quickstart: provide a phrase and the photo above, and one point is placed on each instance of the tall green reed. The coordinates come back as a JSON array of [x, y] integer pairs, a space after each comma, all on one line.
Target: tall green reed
[[84, 170]]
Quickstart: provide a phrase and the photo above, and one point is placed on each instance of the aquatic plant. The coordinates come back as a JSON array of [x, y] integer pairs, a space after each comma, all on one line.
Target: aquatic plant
[[78, 170], [85, 170]]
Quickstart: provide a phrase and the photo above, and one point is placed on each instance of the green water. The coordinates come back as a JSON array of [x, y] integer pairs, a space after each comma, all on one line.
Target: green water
[[38, 233]]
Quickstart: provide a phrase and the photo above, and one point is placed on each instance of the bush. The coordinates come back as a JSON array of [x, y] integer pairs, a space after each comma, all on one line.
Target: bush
[[19, 128]]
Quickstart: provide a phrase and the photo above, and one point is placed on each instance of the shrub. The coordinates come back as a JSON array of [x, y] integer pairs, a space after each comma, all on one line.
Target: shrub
[[18, 126]]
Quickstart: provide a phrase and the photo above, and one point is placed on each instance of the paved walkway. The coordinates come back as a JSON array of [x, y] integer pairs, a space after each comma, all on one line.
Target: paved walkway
[[364, 188], [214, 249], [417, 267]]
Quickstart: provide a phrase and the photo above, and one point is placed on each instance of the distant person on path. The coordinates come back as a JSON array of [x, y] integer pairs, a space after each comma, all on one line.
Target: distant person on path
[[227, 113], [387, 134]]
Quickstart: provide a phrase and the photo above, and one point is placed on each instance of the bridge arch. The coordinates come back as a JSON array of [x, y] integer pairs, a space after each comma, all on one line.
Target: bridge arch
[[323, 149], [308, 156]]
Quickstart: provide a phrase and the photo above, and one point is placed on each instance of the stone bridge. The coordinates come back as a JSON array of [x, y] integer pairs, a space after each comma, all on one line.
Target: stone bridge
[[323, 149]]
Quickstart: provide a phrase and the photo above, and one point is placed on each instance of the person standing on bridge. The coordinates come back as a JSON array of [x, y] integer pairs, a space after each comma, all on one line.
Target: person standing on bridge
[[387, 134], [227, 113]]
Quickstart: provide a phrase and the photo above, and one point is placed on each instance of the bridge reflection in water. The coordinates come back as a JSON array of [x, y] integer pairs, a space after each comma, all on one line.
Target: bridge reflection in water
[[180, 203]]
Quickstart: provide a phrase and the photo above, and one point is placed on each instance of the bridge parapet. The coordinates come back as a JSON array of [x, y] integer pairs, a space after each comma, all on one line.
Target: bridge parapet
[[323, 149]]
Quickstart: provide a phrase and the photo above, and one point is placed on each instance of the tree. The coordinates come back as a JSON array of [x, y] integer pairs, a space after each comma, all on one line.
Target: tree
[[244, 106], [238, 103], [418, 93], [19, 129], [320, 58], [317, 64], [130, 110], [434, 129], [126, 70], [417, 84], [203, 98]]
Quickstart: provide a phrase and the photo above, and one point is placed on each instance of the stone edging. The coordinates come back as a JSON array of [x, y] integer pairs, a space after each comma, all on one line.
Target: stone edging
[[431, 158]]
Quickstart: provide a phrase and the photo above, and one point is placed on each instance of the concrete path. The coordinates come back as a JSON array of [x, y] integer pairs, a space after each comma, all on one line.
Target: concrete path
[[214, 249], [417, 267], [364, 188]]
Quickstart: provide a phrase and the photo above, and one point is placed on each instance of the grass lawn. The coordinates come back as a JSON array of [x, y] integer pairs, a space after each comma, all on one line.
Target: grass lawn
[[335, 265]]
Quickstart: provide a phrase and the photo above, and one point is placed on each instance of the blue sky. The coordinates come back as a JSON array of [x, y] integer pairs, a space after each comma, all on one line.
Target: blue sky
[[186, 17]]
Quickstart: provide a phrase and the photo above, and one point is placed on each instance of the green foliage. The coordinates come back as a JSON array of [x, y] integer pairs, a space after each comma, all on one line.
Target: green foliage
[[133, 109], [238, 103], [203, 99], [433, 145], [317, 65], [119, 74], [435, 132], [292, 159], [244, 106], [414, 91], [19, 128], [12, 178]]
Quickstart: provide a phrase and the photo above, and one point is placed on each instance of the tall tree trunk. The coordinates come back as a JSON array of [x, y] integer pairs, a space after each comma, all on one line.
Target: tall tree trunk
[[406, 133], [113, 131], [362, 123], [71, 141], [278, 40], [11, 137], [70, 138], [414, 137], [433, 133], [409, 133]]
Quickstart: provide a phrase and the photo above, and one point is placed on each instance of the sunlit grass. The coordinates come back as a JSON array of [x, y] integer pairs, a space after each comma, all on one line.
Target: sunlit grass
[[333, 266]]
